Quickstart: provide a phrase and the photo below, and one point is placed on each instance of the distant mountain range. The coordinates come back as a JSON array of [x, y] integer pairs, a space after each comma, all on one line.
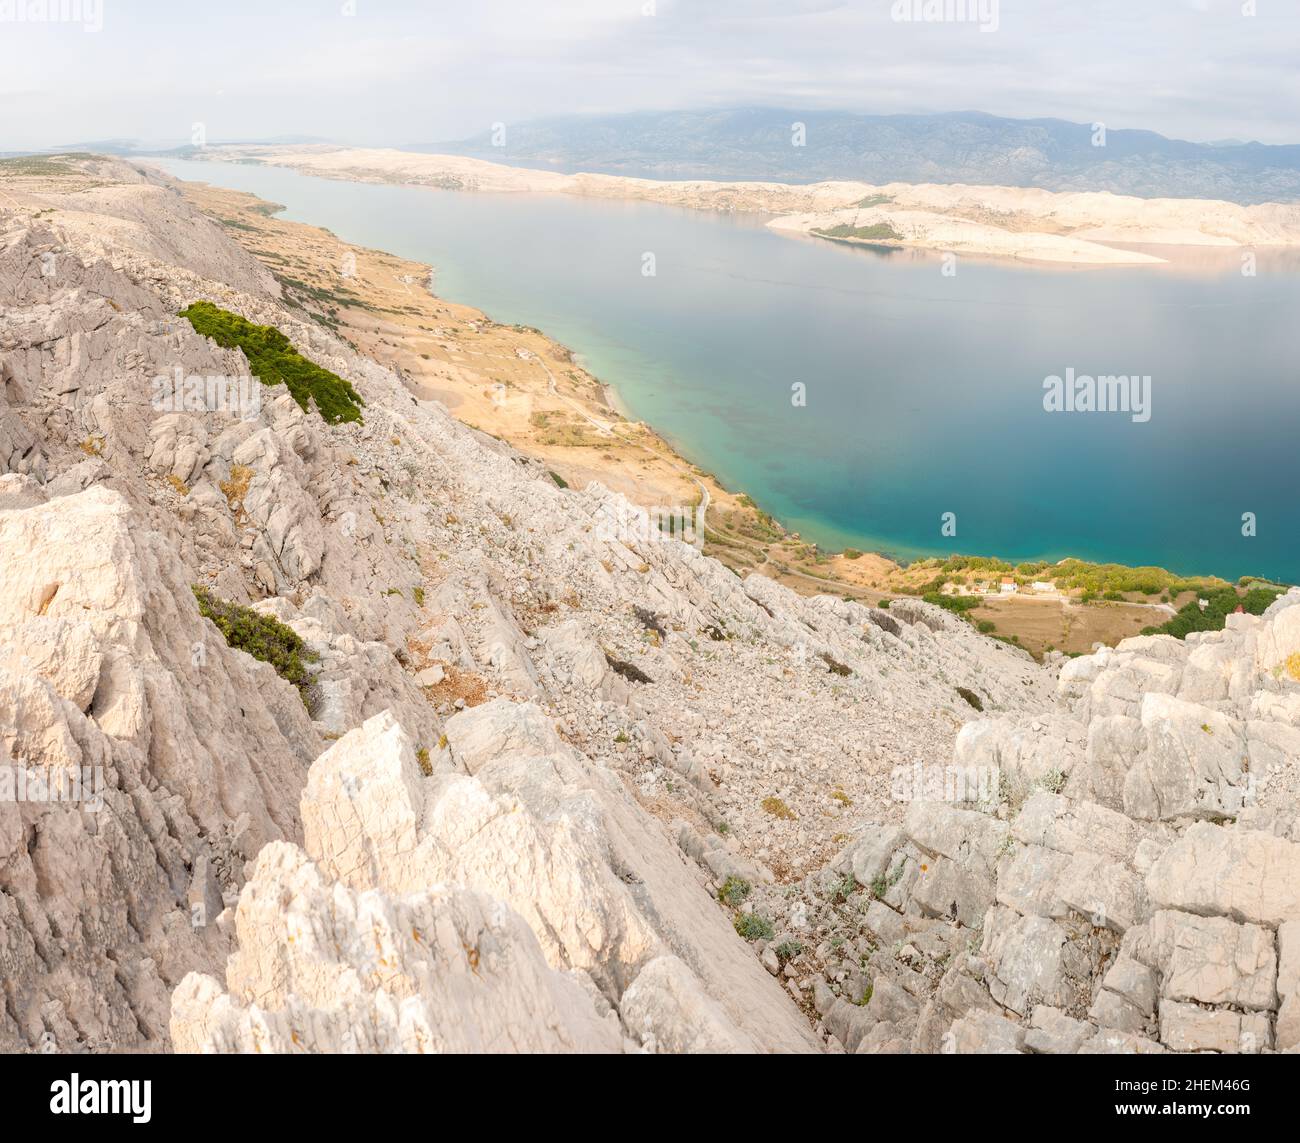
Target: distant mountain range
[[963, 147], [126, 148]]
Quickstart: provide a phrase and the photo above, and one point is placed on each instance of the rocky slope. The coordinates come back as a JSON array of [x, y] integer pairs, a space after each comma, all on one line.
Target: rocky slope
[[546, 771], [1129, 881]]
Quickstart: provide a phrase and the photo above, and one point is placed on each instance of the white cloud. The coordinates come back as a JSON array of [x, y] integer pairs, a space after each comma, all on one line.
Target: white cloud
[[414, 71]]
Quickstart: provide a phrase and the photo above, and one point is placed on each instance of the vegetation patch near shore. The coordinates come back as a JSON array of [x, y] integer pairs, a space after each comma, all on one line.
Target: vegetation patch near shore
[[1218, 606], [876, 232]]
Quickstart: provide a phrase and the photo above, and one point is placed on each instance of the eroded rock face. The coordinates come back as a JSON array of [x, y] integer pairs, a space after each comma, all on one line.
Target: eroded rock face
[[190, 758], [1141, 894], [322, 968], [332, 937]]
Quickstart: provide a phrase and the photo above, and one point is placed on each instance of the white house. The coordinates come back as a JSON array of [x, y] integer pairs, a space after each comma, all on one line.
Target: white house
[[1008, 585]]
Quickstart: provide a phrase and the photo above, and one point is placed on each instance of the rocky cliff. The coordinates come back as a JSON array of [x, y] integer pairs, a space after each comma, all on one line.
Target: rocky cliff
[[549, 787]]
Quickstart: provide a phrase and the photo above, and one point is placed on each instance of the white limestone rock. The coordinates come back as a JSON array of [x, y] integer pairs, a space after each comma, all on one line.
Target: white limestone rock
[[1246, 875], [321, 968], [534, 824]]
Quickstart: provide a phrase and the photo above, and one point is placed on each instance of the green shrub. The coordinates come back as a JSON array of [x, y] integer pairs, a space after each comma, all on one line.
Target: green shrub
[[262, 636], [734, 890], [788, 950], [1219, 605], [886, 881], [970, 563], [274, 360], [971, 697], [841, 888], [1053, 781], [778, 809], [1100, 579], [957, 604], [754, 927]]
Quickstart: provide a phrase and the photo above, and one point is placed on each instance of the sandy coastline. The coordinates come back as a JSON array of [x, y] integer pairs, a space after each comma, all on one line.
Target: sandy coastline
[[1026, 224]]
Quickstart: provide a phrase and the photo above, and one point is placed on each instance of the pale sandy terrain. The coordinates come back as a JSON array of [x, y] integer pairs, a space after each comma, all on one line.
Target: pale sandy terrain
[[926, 230], [1009, 222]]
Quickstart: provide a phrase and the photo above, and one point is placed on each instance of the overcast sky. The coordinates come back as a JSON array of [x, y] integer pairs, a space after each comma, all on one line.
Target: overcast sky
[[420, 71]]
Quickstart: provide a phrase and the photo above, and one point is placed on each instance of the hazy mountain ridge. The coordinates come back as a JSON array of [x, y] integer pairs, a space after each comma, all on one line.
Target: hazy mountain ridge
[[960, 147]]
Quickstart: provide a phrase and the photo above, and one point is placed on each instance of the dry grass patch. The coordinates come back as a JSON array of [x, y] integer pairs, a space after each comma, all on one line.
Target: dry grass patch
[[235, 490], [778, 809]]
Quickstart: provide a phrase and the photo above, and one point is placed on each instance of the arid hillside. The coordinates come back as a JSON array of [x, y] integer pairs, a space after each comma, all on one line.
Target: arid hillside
[[334, 723]]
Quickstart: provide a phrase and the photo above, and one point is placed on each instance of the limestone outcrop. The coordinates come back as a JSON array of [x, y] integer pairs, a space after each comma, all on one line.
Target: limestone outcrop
[[1132, 885], [617, 943]]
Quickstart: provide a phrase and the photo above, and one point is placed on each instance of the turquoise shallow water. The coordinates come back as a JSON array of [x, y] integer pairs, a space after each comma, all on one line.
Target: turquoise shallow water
[[924, 392]]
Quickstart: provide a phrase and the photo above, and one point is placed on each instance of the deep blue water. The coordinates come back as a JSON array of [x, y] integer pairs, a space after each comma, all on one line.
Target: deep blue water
[[924, 392]]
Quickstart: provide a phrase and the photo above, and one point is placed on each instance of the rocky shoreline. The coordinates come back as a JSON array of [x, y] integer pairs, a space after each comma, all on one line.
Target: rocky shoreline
[[1082, 228]]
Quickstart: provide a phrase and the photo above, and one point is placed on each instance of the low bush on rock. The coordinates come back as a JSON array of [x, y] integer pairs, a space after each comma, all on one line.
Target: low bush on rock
[[778, 809], [754, 927], [835, 666], [275, 360], [841, 888], [262, 636], [876, 232], [629, 671], [971, 697], [650, 622], [734, 890]]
